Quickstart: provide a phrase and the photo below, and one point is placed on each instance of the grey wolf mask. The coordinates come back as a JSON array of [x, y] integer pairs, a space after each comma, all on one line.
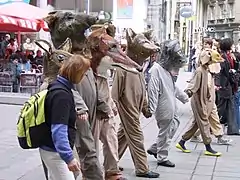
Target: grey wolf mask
[[171, 55]]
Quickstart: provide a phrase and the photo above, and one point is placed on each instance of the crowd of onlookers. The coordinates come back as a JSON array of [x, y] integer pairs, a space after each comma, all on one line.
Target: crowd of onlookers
[[14, 60]]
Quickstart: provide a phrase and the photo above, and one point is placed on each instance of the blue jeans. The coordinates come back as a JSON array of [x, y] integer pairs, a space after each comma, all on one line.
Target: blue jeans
[[237, 106]]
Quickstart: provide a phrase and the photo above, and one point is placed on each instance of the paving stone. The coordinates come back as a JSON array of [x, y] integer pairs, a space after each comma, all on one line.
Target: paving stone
[[204, 170], [201, 177], [226, 174], [206, 162], [18, 164], [235, 169], [225, 178], [171, 176]]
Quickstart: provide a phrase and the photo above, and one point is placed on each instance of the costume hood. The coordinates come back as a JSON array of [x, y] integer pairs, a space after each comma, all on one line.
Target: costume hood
[[171, 55]]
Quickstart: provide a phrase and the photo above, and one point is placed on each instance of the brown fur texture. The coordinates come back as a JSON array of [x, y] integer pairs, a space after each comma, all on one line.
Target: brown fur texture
[[54, 59], [64, 25], [140, 46], [100, 42]]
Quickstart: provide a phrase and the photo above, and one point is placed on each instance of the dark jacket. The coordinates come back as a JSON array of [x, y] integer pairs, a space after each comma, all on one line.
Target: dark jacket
[[225, 79], [60, 117]]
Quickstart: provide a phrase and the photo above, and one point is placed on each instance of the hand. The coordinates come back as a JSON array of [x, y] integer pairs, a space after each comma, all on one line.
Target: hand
[[83, 117], [115, 111], [185, 101], [103, 115], [189, 93], [217, 88], [232, 71], [74, 165], [147, 114]]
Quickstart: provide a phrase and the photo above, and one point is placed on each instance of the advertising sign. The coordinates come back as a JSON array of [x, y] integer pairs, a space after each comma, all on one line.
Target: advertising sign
[[124, 9], [10, 1]]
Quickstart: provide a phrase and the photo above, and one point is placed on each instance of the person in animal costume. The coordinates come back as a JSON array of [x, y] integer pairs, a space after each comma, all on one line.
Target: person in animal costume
[[162, 94], [105, 129], [216, 127], [201, 89], [87, 98], [129, 94]]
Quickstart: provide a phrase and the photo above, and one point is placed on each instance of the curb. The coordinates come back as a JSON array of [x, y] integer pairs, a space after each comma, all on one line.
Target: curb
[[13, 98]]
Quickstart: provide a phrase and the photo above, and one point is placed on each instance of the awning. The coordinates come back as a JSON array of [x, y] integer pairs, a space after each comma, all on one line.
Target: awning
[[23, 10], [17, 24]]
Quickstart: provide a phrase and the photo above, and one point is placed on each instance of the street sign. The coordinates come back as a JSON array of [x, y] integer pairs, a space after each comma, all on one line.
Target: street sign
[[186, 11], [10, 1]]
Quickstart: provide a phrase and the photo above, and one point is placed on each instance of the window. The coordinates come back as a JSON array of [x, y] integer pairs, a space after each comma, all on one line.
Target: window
[[230, 10], [223, 11], [212, 13], [221, 14]]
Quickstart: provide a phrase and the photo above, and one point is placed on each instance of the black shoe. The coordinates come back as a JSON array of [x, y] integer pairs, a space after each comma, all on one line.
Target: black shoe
[[149, 174], [152, 153], [120, 168], [166, 164]]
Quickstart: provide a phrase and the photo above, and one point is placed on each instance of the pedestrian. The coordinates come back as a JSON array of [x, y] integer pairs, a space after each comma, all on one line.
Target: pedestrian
[[60, 115], [226, 81]]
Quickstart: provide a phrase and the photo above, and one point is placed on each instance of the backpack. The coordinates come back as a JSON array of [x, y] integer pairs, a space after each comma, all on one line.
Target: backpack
[[31, 125]]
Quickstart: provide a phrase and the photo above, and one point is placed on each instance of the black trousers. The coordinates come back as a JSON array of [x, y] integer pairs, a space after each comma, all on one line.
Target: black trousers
[[226, 112]]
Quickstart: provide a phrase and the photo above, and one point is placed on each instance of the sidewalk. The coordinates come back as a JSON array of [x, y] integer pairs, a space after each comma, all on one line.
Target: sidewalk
[[18, 164]]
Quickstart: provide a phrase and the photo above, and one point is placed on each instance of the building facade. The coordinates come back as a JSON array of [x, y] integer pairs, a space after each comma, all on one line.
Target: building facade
[[224, 19], [83, 5], [160, 18]]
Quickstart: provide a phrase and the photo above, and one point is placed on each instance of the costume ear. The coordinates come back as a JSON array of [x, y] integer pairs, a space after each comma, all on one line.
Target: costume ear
[[66, 45], [130, 34], [148, 34], [51, 18], [49, 51]]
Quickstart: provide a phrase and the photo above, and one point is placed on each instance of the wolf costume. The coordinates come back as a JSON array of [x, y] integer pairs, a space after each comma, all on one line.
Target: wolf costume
[[162, 94], [129, 94]]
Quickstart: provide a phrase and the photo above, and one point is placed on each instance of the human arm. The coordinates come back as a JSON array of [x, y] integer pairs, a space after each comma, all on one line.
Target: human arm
[[154, 90], [180, 95], [118, 85], [104, 110], [60, 108], [80, 106], [194, 84]]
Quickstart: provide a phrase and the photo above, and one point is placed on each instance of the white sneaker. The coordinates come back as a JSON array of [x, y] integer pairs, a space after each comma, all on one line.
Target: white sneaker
[[223, 141], [196, 139]]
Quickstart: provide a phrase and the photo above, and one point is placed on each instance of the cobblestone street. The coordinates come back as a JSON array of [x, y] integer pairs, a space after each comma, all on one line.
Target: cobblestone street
[[18, 164]]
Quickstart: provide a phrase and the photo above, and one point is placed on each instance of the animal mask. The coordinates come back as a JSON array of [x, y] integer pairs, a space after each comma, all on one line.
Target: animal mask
[[209, 56], [55, 57], [111, 29], [100, 42], [171, 55], [139, 46], [63, 25]]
